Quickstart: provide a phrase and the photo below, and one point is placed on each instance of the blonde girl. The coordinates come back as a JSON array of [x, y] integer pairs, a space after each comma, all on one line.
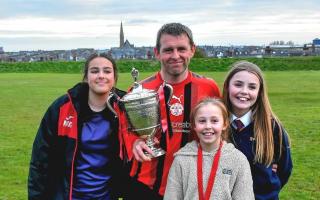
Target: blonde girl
[[209, 168]]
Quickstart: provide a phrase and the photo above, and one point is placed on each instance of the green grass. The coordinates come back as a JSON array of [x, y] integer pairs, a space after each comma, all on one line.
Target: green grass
[[198, 64], [24, 97]]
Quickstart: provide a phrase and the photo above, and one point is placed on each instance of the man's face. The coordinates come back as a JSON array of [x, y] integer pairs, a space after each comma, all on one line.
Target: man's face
[[174, 55]]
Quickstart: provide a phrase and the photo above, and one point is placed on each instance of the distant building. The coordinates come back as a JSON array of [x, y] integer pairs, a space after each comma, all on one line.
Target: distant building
[[316, 41], [121, 36], [3, 56], [127, 45], [126, 50], [124, 44]]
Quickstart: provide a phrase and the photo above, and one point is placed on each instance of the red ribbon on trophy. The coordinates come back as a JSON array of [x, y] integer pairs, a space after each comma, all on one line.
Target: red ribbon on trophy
[[126, 138]]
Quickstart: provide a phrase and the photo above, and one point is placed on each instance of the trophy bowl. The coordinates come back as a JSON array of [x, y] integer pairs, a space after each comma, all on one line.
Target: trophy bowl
[[142, 110], [143, 113]]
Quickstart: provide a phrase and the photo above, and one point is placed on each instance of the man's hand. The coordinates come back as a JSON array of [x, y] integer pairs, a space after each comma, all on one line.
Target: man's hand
[[139, 146]]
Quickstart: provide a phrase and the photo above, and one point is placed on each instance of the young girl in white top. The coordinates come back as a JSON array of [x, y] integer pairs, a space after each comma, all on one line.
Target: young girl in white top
[[208, 167]]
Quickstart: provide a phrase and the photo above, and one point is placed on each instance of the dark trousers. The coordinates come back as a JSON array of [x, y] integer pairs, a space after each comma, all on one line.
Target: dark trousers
[[138, 191]]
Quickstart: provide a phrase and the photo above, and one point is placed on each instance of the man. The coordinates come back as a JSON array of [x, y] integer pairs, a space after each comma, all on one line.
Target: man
[[174, 49]]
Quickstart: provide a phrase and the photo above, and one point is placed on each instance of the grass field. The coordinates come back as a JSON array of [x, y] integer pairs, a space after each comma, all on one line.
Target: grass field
[[295, 97]]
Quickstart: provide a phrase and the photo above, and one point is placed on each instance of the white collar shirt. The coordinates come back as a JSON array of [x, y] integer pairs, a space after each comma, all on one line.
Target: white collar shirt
[[245, 119]]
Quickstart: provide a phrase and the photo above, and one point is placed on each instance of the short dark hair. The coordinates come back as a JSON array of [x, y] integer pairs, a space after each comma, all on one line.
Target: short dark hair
[[103, 55], [174, 29]]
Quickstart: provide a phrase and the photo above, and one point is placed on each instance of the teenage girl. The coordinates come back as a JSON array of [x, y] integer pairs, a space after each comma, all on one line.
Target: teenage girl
[[208, 167], [256, 131], [75, 153]]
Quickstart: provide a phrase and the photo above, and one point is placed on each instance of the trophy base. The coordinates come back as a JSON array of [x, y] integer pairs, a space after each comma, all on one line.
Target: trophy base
[[156, 152]]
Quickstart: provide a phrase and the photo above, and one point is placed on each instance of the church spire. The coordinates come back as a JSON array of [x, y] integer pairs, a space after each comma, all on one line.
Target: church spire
[[121, 36]]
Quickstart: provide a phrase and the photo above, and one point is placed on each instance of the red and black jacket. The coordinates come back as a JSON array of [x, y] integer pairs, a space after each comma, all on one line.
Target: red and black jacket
[[55, 147]]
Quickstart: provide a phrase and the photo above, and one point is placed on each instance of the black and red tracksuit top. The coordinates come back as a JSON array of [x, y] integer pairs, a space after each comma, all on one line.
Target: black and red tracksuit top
[[55, 146]]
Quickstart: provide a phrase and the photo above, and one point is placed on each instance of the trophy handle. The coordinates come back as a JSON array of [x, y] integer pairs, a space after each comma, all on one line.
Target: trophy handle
[[170, 90], [135, 74], [109, 105]]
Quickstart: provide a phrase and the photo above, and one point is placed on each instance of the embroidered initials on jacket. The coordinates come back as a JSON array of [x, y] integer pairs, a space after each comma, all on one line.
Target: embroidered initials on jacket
[[68, 121]]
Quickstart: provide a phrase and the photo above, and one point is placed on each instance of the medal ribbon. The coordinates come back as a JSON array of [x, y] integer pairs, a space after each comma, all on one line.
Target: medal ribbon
[[212, 176]]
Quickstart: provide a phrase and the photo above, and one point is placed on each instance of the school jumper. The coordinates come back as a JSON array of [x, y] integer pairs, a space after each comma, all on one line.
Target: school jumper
[[266, 183]]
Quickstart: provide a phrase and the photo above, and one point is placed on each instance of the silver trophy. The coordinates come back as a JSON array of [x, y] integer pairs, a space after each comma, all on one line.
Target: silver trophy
[[142, 109]]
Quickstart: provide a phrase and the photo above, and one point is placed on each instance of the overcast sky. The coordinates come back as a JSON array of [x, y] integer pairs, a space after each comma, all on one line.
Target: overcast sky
[[70, 24]]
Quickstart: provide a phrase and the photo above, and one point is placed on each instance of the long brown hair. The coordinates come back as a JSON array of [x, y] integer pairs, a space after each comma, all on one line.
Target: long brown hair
[[262, 113], [221, 106]]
